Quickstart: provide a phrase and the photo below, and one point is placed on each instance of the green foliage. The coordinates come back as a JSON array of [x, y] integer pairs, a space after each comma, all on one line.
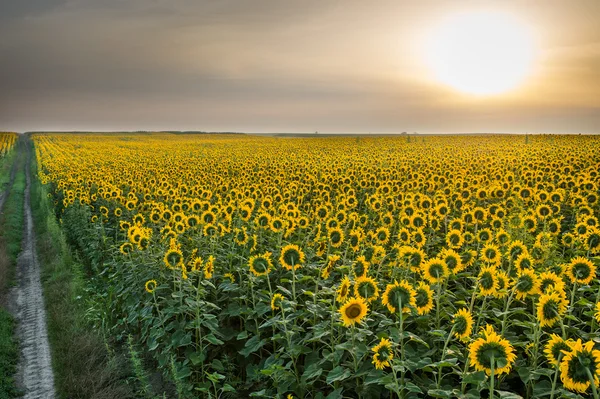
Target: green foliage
[[9, 354]]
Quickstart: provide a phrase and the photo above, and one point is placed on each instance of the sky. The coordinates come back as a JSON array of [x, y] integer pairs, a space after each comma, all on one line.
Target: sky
[[347, 66]]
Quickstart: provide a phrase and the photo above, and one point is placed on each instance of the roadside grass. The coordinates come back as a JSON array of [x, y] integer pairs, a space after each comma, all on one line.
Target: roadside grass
[[11, 235], [84, 365], [5, 166]]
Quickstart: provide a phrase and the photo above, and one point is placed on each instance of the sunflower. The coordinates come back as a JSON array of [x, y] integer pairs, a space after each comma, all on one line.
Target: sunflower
[[291, 257], [434, 270], [454, 239], [173, 258], [399, 292], [524, 262], [452, 259], [240, 236], [150, 286], [354, 239], [488, 281], [491, 347], [550, 308], [343, 290], [463, 324], [555, 347], [383, 354], [260, 265], [577, 364], [404, 236], [581, 270], [366, 288], [551, 281], [336, 236], [516, 249], [197, 264], [276, 301], [360, 267], [382, 236], [527, 283], [230, 276], [490, 254], [423, 298], [209, 267], [597, 314], [353, 311], [504, 284], [329, 266], [126, 248]]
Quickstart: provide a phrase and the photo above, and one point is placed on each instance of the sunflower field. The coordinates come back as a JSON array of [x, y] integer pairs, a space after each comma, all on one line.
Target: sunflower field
[[340, 267], [7, 142]]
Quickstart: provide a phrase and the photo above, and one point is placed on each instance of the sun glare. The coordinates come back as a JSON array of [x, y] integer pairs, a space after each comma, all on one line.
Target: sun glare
[[481, 53]]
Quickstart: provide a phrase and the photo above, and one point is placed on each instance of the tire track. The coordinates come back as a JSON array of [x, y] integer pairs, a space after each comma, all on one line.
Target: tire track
[[35, 375]]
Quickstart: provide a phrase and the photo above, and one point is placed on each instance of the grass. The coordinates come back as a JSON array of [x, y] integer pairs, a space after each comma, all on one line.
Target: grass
[[84, 365], [11, 234], [9, 354], [5, 166]]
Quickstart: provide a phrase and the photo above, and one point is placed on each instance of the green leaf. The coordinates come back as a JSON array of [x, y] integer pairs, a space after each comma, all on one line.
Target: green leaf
[[213, 340], [525, 374], [508, 395], [474, 378], [197, 358], [337, 394], [338, 374], [312, 371], [252, 345], [228, 388], [439, 393]]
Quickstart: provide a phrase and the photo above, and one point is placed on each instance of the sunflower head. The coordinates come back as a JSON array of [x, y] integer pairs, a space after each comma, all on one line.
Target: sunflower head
[[488, 281], [366, 288], [423, 298], [527, 283], [353, 311], [360, 267], [173, 258], [150, 286], [276, 301], [577, 363], [399, 293], [491, 346], [209, 267], [550, 308], [382, 354], [434, 270], [260, 265], [343, 290], [291, 257], [554, 348], [462, 323], [329, 267], [581, 270]]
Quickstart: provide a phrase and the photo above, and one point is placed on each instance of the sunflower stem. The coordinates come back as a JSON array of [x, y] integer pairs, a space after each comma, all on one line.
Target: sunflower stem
[[555, 379], [473, 296], [294, 282], [506, 306], [571, 306], [592, 382], [492, 377], [437, 306], [439, 379], [401, 315]]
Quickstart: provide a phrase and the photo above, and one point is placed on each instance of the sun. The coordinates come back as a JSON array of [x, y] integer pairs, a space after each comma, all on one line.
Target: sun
[[481, 53]]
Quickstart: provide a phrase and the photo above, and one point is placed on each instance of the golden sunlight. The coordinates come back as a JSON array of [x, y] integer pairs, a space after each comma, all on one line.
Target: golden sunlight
[[480, 53]]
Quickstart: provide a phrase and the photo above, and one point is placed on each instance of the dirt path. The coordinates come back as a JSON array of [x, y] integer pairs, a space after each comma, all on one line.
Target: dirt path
[[34, 374]]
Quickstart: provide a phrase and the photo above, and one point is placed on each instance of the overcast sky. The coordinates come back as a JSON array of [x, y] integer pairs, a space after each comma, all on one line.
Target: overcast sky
[[280, 66]]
